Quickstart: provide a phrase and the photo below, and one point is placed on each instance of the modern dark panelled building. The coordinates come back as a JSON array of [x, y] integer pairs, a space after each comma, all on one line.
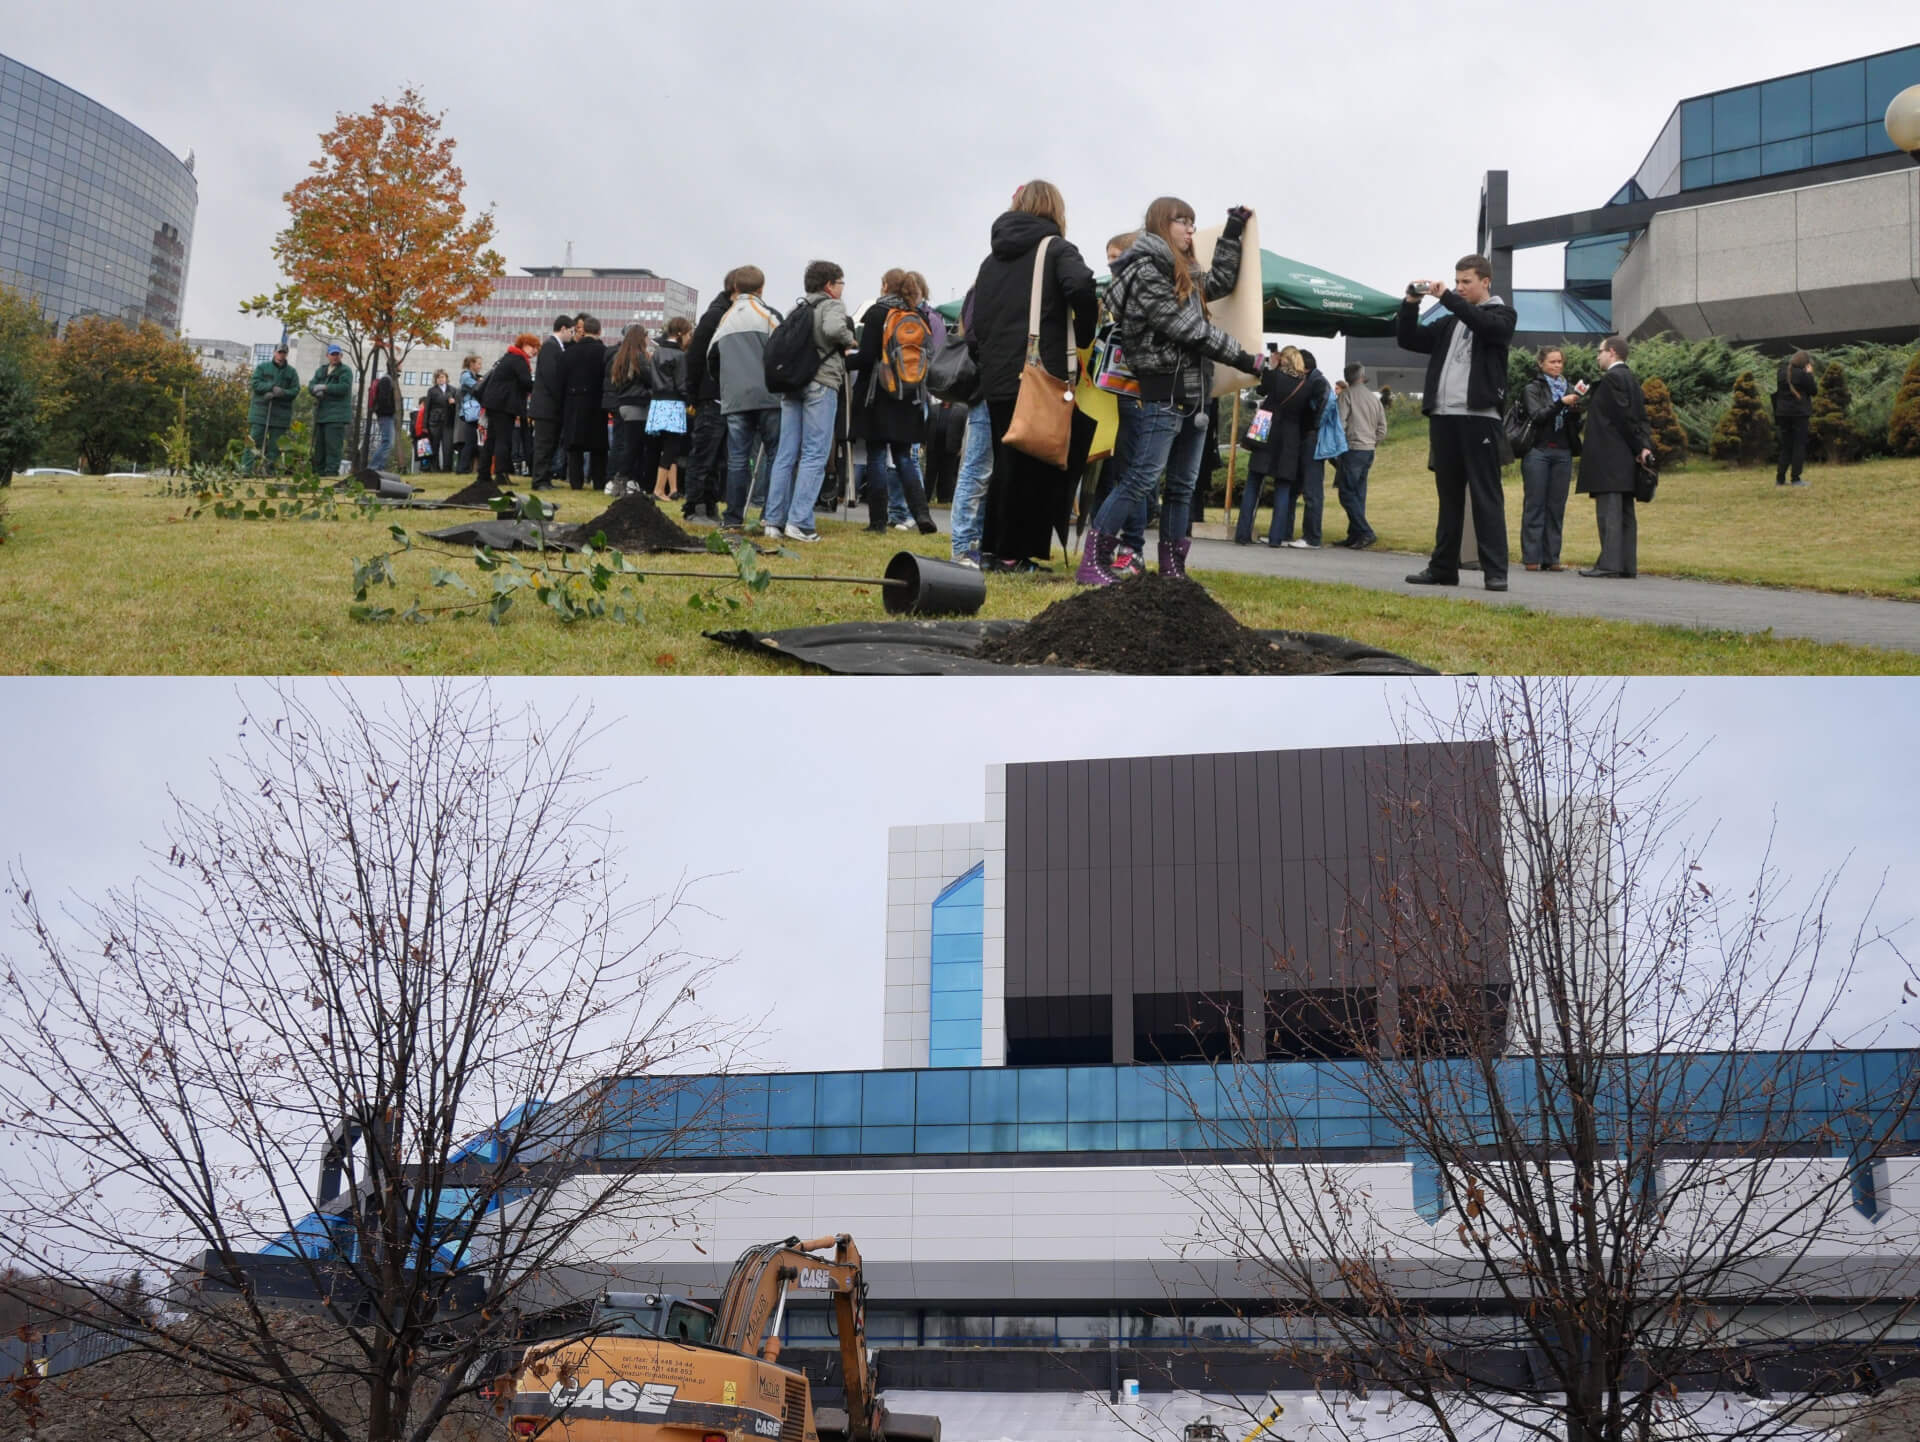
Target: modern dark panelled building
[[96, 216], [1195, 908]]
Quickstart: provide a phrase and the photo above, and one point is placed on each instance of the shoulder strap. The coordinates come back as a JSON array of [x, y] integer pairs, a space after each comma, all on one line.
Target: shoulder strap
[[1039, 277]]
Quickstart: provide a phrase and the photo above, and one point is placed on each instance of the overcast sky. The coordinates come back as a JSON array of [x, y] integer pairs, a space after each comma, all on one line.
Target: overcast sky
[[689, 138], [783, 794]]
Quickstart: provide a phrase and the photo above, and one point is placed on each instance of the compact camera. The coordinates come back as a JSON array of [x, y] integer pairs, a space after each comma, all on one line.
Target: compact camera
[[1416, 289]]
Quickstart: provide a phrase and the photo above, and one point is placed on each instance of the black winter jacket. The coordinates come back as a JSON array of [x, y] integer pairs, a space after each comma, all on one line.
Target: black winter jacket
[[1617, 431], [1285, 396], [584, 373], [1541, 409], [1171, 346], [1492, 325], [507, 385], [1793, 391], [703, 381], [636, 392], [1002, 294], [669, 371]]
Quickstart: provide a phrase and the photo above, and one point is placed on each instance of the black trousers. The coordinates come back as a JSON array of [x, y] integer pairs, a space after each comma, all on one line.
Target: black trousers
[[1792, 431], [496, 456], [546, 440], [706, 458], [582, 462], [1466, 471]]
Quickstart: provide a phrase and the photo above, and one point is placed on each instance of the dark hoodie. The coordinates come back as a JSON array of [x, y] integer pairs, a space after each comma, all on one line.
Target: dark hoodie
[[703, 380], [1002, 293]]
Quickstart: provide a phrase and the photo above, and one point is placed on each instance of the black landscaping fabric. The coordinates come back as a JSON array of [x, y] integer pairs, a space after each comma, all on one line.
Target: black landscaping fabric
[[511, 536], [1142, 627]]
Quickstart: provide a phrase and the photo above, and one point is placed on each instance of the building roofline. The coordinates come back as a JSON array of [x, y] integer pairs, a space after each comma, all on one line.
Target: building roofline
[[101, 105]]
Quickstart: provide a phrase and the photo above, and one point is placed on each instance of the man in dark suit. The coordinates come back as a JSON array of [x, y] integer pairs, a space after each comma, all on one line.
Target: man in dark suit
[[547, 406], [583, 372], [1618, 441], [1466, 393]]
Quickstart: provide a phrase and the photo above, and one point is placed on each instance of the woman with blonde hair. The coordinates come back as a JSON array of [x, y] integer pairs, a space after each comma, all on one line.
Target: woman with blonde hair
[[1159, 298], [1027, 499], [1280, 453]]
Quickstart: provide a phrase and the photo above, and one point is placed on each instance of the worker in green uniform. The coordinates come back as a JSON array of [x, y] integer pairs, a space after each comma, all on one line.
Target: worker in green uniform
[[275, 384], [332, 387]]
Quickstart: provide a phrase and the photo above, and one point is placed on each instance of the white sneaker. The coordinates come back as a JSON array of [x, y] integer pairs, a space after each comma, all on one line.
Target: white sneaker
[[794, 533], [1296, 545], [772, 533], [612, 488], [634, 489], [906, 526]]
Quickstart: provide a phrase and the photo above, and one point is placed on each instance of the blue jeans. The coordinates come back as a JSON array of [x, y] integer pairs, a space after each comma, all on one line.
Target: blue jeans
[[745, 430], [1311, 490], [1154, 437], [1351, 481], [800, 464], [970, 485], [897, 512], [382, 442]]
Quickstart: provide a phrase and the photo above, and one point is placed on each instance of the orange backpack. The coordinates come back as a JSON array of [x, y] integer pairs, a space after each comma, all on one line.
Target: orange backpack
[[903, 354]]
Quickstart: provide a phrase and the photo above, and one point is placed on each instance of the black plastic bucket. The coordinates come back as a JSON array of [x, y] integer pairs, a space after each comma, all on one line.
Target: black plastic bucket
[[932, 588]]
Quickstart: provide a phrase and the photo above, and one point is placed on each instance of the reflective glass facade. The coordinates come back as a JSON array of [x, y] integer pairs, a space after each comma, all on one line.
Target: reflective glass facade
[[96, 216], [1794, 122], [1824, 1098], [954, 1007]]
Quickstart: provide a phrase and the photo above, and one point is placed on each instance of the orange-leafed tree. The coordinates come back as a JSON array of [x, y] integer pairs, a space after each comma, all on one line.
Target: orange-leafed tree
[[380, 251]]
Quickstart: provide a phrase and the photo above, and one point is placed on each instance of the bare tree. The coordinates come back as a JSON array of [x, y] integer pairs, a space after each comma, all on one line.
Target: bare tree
[[384, 1010], [1605, 1161]]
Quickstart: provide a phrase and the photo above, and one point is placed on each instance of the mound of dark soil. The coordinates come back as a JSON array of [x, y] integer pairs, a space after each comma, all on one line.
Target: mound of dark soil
[[636, 523], [1149, 626], [476, 494]]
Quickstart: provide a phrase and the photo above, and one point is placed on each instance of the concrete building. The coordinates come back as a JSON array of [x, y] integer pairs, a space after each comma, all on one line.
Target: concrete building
[[1777, 213], [96, 216], [225, 357], [1109, 1027]]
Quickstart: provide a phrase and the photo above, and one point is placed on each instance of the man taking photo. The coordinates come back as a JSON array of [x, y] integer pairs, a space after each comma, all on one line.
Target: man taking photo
[[1466, 352]]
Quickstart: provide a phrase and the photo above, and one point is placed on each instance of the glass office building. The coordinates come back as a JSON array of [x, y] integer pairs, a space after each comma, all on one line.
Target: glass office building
[[96, 216]]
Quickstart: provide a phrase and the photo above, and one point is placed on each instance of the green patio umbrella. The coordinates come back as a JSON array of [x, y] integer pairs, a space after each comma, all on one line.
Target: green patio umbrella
[[1299, 299], [951, 310]]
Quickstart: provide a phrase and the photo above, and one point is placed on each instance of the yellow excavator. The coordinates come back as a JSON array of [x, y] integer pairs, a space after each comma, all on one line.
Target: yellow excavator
[[657, 1368]]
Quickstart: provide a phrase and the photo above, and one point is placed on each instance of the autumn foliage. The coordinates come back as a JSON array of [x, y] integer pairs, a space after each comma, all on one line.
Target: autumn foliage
[[111, 388], [380, 250]]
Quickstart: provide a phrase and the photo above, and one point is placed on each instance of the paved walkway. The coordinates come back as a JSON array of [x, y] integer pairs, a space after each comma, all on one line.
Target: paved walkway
[[1650, 600]]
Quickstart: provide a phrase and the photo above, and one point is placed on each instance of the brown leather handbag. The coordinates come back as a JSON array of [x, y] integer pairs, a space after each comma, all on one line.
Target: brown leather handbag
[[1042, 425]]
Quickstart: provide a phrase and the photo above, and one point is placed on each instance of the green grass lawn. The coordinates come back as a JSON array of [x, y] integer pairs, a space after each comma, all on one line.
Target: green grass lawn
[[109, 577], [1854, 530]]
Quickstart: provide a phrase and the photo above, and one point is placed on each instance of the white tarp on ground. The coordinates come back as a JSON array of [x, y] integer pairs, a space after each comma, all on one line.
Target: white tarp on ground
[[1309, 1417]]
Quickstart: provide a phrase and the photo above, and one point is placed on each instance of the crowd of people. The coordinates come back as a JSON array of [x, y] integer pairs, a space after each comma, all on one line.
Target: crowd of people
[[795, 412]]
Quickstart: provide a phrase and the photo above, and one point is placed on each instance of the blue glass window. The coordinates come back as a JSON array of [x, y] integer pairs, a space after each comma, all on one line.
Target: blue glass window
[[1887, 76], [1696, 174], [1044, 1137], [837, 1100], [1731, 165], [1785, 108], [942, 1097], [790, 1100], [940, 1139], [885, 1102], [1696, 128], [886, 1141], [1141, 1093], [954, 998], [1736, 118], [1429, 1199], [995, 1096], [1786, 155], [1043, 1094], [1090, 1094], [1839, 96]]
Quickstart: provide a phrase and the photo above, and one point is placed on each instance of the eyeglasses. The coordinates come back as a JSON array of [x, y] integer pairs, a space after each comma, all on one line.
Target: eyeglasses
[[1186, 220]]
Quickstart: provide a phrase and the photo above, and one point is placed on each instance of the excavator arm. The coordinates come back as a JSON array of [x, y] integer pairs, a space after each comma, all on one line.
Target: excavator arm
[[755, 1299]]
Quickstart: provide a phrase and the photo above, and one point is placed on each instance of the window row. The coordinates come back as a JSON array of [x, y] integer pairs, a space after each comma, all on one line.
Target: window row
[[1839, 98]]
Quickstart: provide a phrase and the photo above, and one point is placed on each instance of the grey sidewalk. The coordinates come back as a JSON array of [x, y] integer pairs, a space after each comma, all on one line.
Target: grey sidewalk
[[1650, 600]]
